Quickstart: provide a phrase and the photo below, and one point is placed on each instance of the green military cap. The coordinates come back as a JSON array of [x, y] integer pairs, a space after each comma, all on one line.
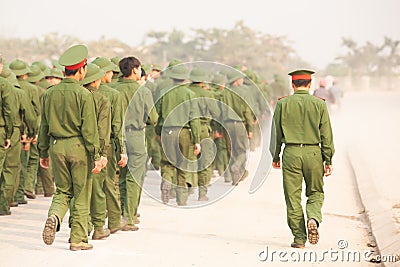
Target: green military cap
[[156, 67], [105, 64], [198, 75], [301, 74], [174, 62], [42, 67], [19, 67], [93, 73], [179, 72], [74, 57], [9, 75], [35, 75], [57, 73], [57, 65], [116, 61], [234, 75], [219, 79]]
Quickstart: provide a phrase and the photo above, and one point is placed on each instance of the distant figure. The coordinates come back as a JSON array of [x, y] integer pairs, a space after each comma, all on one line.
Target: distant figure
[[323, 92], [337, 93]]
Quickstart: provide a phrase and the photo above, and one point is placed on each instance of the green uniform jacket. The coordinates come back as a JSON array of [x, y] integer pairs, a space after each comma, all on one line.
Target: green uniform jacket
[[117, 115], [170, 98], [207, 102], [137, 103], [68, 111], [239, 110], [32, 92], [103, 114], [302, 119], [25, 118], [6, 116]]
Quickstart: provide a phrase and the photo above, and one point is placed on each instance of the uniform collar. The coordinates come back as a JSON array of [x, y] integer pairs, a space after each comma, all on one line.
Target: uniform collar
[[301, 92], [69, 80]]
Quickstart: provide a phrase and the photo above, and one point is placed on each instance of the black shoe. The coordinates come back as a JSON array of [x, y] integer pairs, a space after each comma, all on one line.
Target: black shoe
[[5, 213], [13, 204], [22, 202], [29, 195]]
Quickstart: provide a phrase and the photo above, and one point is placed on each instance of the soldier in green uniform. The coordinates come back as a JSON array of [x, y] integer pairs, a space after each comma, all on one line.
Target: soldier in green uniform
[[153, 146], [69, 132], [92, 82], [21, 70], [55, 76], [116, 149], [137, 103], [25, 123], [238, 120], [208, 109], [43, 83], [220, 135], [180, 132], [301, 122], [6, 130], [34, 77], [116, 72]]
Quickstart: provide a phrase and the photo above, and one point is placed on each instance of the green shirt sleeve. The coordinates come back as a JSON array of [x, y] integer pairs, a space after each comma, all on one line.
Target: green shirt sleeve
[[89, 129], [117, 122], [325, 129], [104, 124], [276, 134], [7, 108], [44, 137]]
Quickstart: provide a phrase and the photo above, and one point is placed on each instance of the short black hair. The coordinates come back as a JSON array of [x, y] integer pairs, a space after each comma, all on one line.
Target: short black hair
[[127, 64], [70, 72], [301, 83]]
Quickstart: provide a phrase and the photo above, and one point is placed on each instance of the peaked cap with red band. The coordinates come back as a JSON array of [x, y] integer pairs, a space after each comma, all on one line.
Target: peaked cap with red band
[[301, 74], [74, 57]]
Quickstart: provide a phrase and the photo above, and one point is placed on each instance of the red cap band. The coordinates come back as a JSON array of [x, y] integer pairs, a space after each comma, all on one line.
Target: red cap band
[[76, 66], [301, 77]]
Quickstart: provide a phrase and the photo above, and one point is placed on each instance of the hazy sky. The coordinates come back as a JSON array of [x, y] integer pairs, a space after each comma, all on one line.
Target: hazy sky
[[314, 26]]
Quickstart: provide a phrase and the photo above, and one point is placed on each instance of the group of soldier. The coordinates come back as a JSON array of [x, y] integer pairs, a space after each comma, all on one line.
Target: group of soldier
[[79, 124]]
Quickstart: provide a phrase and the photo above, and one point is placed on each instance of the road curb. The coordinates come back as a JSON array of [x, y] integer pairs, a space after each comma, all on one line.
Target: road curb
[[383, 227]]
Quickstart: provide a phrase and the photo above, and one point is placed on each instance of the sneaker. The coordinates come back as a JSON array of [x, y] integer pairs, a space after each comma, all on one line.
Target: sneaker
[[121, 225], [313, 235], [130, 227], [80, 246], [49, 231], [100, 233]]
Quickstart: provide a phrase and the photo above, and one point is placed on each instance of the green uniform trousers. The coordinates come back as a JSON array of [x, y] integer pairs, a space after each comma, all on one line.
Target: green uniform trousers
[[11, 169], [6, 186], [20, 185], [298, 163], [222, 158], [206, 159], [104, 194], [32, 168], [256, 140], [70, 163], [45, 182], [237, 144], [153, 146], [174, 164], [111, 188], [137, 156]]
